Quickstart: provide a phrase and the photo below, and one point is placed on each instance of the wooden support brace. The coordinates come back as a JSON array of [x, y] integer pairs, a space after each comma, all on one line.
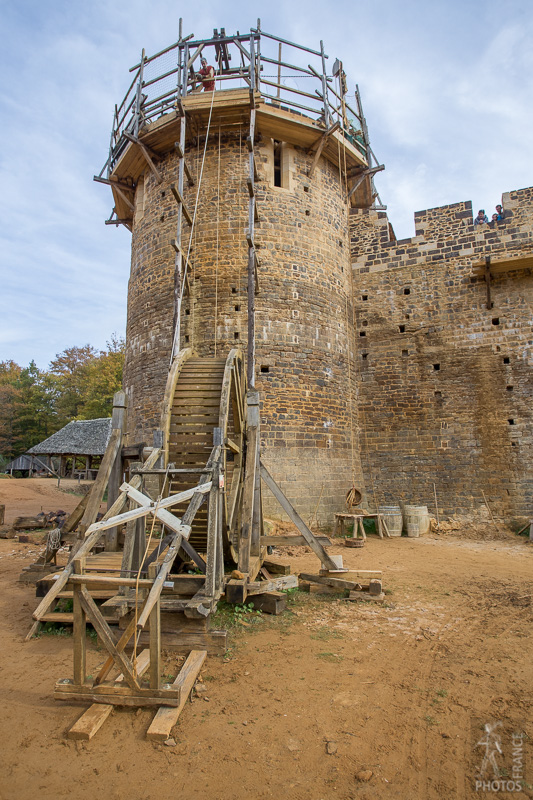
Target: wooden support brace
[[179, 199], [310, 538], [148, 154], [367, 173]]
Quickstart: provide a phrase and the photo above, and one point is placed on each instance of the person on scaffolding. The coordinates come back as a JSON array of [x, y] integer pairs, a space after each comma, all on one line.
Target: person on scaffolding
[[207, 76]]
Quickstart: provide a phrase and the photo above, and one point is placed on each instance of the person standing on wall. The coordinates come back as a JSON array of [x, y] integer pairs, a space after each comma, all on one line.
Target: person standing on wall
[[207, 76], [481, 217]]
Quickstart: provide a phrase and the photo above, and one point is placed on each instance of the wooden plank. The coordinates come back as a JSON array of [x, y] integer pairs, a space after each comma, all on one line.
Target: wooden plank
[[87, 694], [274, 585], [166, 718], [335, 583], [92, 720], [310, 538]]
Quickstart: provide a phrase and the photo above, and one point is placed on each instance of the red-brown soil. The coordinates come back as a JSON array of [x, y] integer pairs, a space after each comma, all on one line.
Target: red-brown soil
[[400, 691]]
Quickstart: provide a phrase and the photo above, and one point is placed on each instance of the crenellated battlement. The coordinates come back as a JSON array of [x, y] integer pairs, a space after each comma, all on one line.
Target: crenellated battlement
[[441, 233]]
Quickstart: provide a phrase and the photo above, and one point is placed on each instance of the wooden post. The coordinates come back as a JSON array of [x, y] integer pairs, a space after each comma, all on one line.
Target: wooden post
[[118, 421], [155, 637], [212, 534], [79, 627], [245, 546]]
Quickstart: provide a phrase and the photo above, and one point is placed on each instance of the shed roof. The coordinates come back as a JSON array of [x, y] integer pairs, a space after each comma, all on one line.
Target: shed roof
[[84, 437], [26, 462]]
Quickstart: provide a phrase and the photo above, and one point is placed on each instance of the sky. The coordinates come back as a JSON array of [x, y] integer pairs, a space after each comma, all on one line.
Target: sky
[[447, 91]]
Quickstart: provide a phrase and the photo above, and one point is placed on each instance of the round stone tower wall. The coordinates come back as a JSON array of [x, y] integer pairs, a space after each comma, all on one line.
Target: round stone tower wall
[[305, 371]]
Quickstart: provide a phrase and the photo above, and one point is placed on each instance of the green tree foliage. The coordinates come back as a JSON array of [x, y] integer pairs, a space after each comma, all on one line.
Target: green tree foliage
[[79, 384]]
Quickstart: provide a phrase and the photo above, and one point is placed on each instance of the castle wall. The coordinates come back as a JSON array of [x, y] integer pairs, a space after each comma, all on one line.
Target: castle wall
[[304, 312], [445, 383]]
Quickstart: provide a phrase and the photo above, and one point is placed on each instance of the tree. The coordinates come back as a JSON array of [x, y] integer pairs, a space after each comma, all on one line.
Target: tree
[[102, 378], [69, 367]]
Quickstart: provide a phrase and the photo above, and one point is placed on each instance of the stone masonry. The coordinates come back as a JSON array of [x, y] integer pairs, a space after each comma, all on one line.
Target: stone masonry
[[305, 342], [445, 382]]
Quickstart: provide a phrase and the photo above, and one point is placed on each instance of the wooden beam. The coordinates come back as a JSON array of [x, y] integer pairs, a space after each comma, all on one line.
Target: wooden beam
[[166, 718], [310, 538]]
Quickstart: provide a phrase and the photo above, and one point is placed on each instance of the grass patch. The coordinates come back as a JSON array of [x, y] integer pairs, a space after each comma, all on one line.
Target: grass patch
[[331, 657], [324, 634]]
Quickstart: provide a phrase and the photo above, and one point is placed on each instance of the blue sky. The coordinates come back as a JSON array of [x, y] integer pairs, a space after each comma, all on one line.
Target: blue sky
[[447, 89]]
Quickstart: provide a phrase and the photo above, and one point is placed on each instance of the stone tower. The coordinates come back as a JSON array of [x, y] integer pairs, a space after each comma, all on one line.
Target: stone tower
[[292, 169]]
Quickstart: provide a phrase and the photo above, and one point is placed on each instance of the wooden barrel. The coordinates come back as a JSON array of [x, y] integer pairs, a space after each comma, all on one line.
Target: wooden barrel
[[416, 520], [392, 515]]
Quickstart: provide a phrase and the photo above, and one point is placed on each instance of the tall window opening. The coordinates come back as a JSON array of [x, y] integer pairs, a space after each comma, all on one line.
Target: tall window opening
[[277, 164]]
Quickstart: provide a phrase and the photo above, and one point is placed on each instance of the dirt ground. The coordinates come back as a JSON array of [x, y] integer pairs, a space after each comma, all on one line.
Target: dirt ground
[[29, 496], [332, 699]]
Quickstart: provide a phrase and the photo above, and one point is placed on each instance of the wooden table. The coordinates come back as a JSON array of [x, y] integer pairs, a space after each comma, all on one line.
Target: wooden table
[[343, 517]]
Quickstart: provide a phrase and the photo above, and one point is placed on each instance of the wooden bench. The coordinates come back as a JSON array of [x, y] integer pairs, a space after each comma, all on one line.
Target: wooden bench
[[343, 518]]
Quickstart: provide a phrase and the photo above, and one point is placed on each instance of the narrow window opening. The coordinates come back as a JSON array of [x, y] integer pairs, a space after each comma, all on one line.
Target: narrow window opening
[[509, 388], [364, 356], [236, 335], [162, 194], [340, 242], [187, 312], [407, 316], [265, 369], [306, 188], [162, 218], [438, 395], [495, 320], [362, 333], [401, 328], [186, 339], [277, 164], [436, 367], [405, 353], [407, 290], [307, 212], [364, 297], [510, 421], [233, 290], [237, 308], [506, 360]]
